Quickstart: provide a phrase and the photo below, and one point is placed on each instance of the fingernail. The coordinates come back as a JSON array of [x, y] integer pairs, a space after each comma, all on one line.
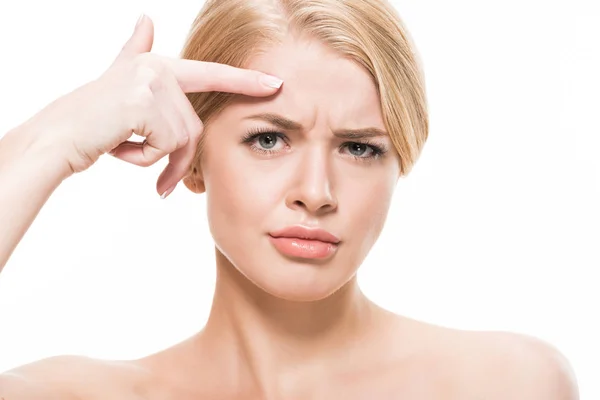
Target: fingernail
[[168, 192], [139, 21], [271, 81]]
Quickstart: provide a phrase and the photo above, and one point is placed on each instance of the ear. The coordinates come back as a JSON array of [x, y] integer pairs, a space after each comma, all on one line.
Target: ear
[[194, 181]]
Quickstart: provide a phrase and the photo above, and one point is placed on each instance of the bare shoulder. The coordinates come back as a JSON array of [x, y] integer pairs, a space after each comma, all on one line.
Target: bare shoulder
[[510, 365], [489, 365], [70, 377]]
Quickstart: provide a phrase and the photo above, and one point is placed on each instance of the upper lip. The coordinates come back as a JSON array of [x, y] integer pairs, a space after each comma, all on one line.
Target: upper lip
[[302, 232]]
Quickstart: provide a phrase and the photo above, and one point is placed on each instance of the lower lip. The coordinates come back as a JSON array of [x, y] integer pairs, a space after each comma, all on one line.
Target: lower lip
[[302, 248]]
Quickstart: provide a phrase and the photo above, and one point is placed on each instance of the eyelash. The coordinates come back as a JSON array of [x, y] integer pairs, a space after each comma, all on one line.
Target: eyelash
[[377, 151]]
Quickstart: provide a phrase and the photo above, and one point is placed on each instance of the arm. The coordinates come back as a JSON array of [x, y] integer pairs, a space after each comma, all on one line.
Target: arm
[[29, 174], [142, 93]]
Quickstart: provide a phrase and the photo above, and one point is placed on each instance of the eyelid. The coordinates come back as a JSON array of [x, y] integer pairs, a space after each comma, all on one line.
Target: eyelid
[[377, 150], [253, 133]]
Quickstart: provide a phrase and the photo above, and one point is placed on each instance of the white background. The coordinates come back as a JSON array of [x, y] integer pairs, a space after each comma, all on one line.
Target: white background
[[496, 228]]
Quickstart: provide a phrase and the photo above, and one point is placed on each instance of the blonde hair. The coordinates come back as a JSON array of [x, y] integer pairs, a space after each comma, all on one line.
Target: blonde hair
[[368, 32]]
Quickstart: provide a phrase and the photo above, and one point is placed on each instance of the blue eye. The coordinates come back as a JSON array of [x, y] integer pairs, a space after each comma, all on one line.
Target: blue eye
[[267, 140], [364, 151], [358, 149]]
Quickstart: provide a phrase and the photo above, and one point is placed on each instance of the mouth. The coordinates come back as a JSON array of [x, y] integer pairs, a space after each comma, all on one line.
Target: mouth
[[307, 243]]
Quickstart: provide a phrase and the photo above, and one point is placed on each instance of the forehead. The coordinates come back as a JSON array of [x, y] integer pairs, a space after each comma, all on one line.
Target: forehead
[[319, 83]]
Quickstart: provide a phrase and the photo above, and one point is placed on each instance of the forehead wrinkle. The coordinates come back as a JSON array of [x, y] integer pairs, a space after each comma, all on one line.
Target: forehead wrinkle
[[319, 95], [287, 124]]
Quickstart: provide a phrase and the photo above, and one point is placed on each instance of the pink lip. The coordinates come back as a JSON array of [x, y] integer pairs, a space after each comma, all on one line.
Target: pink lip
[[301, 242], [301, 232]]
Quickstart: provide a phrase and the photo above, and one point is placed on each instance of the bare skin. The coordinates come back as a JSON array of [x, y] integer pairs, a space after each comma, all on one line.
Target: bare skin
[[429, 363], [280, 327]]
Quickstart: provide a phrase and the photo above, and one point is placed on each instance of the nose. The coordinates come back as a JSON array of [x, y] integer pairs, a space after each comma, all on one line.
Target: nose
[[311, 188]]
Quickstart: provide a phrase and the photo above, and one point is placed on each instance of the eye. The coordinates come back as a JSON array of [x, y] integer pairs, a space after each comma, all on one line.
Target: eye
[[267, 140], [359, 149], [364, 151]]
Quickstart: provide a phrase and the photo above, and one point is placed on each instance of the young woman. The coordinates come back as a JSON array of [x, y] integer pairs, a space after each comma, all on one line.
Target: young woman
[[289, 172]]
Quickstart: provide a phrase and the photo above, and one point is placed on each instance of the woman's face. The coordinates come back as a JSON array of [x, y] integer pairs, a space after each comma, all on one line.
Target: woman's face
[[310, 156]]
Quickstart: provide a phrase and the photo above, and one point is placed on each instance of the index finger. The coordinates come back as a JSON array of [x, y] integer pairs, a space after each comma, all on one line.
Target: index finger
[[200, 76]]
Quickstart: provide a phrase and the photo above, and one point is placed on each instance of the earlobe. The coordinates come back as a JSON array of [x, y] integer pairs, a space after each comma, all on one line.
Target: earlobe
[[194, 181]]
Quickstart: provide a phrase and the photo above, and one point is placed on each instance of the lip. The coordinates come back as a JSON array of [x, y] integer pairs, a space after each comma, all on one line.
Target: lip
[[302, 232], [305, 243]]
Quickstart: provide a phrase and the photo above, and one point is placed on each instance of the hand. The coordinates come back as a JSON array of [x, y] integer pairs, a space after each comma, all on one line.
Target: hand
[[141, 93]]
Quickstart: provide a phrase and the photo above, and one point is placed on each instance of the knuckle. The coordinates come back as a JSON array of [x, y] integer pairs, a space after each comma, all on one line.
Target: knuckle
[[150, 72], [151, 78], [183, 129], [182, 140], [144, 60], [155, 83], [154, 156], [197, 128], [172, 145], [140, 99], [143, 97], [146, 162], [182, 132]]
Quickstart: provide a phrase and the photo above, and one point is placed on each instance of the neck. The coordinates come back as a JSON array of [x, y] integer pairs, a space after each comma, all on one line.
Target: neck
[[259, 337]]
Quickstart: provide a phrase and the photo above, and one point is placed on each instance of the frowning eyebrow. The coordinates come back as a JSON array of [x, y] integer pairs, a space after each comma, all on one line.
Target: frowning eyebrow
[[289, 125]]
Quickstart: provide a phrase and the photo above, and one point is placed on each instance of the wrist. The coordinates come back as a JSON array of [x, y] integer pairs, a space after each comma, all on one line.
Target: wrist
[[25, 145]]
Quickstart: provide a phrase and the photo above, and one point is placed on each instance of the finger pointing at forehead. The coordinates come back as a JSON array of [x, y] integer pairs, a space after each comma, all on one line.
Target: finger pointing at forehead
[[200, 76]]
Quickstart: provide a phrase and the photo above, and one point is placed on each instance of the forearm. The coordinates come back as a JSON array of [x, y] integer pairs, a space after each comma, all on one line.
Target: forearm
[[29, 174]]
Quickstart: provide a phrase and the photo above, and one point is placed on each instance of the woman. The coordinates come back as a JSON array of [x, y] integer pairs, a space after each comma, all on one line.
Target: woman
[[298, 179]]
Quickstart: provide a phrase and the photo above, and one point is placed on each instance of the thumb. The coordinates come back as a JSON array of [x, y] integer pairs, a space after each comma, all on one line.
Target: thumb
[[140, 41]]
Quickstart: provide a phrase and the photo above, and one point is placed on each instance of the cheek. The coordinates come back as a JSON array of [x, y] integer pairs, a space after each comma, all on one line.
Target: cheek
[[238, 196], [365, 203]]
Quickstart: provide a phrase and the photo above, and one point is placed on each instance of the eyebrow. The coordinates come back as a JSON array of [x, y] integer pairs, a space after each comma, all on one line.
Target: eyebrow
[[289, 125]]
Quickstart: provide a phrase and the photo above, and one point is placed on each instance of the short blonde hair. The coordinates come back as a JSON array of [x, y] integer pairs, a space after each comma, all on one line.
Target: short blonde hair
[[368, 32]]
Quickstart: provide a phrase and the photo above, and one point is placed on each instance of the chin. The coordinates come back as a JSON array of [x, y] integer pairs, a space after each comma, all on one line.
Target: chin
[[286, 277], [292, 290], [297, 280]]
